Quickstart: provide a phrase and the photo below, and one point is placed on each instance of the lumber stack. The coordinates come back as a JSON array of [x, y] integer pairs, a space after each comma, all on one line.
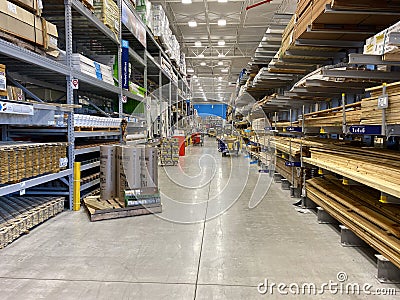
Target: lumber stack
[[314, 22], [334, 116], [379, 169], [287, 145], [19, 214], [371, 114], [358, 209], [293, 175]]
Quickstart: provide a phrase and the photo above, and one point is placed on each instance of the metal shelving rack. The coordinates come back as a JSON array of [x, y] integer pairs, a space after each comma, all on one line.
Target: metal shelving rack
[[78, 24]]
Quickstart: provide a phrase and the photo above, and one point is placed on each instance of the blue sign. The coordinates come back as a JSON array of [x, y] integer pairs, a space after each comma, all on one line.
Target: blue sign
[[269, 128], [293, 129], [292, 164], [263, 171], [365, 129], [125, 64]]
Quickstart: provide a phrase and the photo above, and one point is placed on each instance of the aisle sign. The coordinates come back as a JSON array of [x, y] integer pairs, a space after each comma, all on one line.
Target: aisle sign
[[75, 83], [125, 64]]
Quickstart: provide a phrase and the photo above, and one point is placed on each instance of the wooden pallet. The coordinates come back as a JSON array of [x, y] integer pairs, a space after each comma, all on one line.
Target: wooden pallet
[[113, 209]]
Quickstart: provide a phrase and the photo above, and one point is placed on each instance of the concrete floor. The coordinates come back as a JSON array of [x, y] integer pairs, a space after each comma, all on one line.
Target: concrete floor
[[179, 255]]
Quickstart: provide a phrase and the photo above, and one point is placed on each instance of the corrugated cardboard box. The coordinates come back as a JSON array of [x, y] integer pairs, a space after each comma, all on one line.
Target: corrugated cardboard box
[[3, 81], [23, 24], [34, 6]]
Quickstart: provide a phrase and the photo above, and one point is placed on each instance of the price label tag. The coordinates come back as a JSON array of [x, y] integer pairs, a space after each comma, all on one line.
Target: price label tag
[[124, 99], [292, 164], [383, 101], [365, 129], [63, 162]]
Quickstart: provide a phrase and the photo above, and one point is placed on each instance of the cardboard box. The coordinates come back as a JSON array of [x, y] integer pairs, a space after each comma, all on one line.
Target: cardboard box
[[3, 81], [23, 24], [34, 6]]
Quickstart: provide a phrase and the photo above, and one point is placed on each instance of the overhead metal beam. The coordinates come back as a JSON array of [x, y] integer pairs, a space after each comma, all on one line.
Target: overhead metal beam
[[364, 59], [328, 43], [361, 74]]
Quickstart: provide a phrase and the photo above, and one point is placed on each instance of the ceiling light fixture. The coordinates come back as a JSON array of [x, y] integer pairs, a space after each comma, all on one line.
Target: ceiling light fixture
[[192, 23], [197, 44], [222, 1], [190, 70], [195, 76], [200, 55], [224, 70], [186, 1], [221, 55], [220, 63], [221, 43], [203, 64], [220, 78], [221, 22]]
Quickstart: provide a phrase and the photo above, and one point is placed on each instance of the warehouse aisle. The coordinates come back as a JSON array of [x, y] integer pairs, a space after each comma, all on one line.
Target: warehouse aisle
[[149, 257]]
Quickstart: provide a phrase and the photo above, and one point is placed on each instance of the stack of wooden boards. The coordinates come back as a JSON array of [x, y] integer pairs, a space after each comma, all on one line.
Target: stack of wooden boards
[[355, 19], [371, 114], [19, 214], [357, 208], [334, 116], [20, 160], [376, 168]]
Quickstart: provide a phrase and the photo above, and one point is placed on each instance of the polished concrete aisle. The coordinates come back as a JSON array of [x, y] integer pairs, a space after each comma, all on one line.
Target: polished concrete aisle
[[207, 244]]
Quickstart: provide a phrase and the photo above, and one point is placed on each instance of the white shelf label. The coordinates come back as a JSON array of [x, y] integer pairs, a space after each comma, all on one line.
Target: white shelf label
[[3, 86], [383, 101], [15, 108], [63, 162]]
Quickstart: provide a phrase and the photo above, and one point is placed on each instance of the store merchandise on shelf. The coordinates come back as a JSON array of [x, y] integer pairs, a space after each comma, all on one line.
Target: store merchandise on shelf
[[92, 68], [94, 121], [169, 151], [25, 25], [18, 214], [108, 12], [21, 160]]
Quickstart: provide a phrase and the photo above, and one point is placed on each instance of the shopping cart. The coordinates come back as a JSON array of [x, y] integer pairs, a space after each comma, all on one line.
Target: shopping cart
[[197, 139]]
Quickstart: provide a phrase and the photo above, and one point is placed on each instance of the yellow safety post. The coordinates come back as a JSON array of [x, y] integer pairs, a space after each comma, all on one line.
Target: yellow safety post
[[320, 171], [77, 186]]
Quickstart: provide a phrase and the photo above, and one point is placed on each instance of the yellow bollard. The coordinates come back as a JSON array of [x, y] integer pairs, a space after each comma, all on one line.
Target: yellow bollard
[[77, 186]]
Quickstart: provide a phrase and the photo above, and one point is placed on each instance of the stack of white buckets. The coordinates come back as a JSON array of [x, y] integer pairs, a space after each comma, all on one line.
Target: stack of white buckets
[[93, 121]]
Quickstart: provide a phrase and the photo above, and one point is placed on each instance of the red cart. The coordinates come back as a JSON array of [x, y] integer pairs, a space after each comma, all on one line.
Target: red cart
[[197, 139]]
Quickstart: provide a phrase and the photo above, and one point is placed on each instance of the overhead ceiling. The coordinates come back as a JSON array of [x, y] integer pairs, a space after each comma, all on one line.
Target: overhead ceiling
[[241, 35]]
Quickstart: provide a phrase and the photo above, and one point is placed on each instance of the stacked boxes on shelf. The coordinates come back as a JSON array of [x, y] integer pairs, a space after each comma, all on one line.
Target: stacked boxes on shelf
[[136, 89], [159, 25], [169, 152], [20, 23], [108, 12], [94, 121], [143, 9], [19, 160], [92, 68]]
